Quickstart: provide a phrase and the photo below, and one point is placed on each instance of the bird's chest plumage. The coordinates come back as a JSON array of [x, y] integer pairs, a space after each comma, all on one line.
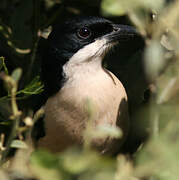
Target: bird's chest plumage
[[94, 97]]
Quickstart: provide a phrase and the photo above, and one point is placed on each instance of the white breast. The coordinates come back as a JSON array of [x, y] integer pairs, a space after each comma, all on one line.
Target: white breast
[[66, 113]]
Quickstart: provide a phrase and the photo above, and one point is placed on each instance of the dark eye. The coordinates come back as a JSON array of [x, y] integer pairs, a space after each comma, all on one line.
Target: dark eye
[[84, 33]]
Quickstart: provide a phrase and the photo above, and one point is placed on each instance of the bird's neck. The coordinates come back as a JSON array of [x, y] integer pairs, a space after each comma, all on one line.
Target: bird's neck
[[77, 70]]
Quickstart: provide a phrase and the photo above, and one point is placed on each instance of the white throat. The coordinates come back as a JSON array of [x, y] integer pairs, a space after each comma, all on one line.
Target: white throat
[[87, 60]]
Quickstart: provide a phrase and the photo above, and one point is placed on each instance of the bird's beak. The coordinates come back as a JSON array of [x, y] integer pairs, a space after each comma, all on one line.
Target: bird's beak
[[121, 33]]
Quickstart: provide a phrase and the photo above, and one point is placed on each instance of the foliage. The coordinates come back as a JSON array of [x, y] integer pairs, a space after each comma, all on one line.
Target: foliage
[[21, 25]]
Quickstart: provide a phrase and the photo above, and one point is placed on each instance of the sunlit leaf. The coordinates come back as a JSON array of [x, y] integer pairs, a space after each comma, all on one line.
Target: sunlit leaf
[[154, 60], [19, 144], [76, 161], [112, 7], [16, 74], [120, 7], [44, 159], [107, 130], [45, 165]]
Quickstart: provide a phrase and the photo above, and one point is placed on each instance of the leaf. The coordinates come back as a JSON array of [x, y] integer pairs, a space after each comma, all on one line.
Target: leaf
[[16, 74], [45, 165], [121, 7], [3, 65], [108, 130], [154, 60], [112, 7], [34, 87], [76, 161], [44, 159], [19, 144]]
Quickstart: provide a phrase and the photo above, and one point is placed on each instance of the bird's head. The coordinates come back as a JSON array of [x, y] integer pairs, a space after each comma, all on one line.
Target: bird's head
[[80, 40]]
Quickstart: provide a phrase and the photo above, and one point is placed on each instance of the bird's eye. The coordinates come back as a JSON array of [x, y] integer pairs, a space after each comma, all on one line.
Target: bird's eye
[[84, 33]]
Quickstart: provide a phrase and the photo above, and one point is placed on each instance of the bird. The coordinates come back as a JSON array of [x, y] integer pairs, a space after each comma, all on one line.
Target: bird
[[74, 77]]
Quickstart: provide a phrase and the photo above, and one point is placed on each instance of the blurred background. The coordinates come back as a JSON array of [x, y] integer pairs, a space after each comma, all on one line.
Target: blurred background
[[147, 67]]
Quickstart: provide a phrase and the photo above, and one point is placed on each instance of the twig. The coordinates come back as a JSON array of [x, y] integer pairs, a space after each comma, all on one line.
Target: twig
[[12, 86]]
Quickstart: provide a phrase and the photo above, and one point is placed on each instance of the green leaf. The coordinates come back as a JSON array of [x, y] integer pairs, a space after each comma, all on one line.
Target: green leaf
[[3, 65], [44, 159], [112, 7], [19, 144], [121, 7], [16, 74], [154, 60], [34, 87], [108, 130], [76, 161], [46, 166]]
